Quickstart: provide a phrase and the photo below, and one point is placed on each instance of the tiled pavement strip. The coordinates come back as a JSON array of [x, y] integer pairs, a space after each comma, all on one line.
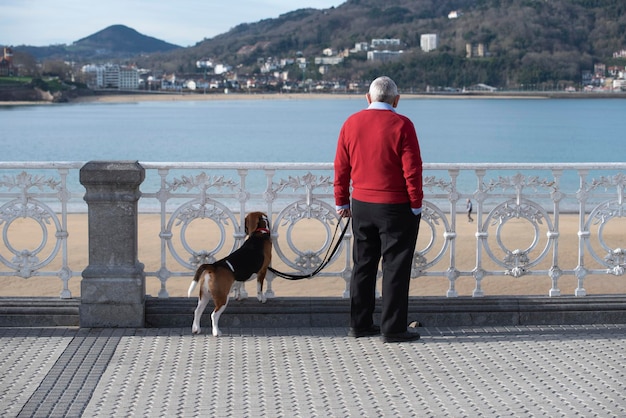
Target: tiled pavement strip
[[289, 372]]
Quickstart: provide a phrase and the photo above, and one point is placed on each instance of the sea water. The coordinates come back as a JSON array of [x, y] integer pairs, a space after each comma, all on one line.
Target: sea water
[[300, 130], [305, 130]]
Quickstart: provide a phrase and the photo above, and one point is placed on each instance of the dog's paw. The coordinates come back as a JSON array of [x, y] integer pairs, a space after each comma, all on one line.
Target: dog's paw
[[216, 332], [261, 297], [195, 330]]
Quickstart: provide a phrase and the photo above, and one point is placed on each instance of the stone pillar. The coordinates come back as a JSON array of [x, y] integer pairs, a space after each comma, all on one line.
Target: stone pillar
[[113, 288]]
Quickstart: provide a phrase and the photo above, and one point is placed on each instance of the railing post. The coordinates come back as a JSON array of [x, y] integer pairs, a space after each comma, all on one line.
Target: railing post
[[113, 288]]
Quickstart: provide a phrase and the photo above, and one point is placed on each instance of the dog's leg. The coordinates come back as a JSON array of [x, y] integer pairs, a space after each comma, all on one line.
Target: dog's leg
[[259, 291], [260, 278], [215, 318], [220, 289], [203, 301], [237, 290], [220, 298]]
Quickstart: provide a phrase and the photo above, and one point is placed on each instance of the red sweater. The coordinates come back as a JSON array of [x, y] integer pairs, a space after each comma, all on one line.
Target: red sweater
[[378, 150]]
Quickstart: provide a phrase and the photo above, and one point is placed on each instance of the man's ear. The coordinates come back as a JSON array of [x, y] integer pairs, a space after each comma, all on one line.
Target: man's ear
[[369, 98], [395, 101]]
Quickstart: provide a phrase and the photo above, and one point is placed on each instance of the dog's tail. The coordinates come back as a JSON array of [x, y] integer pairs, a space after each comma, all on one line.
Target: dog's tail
[[196, 278]]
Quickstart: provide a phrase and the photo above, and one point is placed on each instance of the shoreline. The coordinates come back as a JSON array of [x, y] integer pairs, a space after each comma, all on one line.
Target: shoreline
[[187, 96], [136, 96], [130, 98]]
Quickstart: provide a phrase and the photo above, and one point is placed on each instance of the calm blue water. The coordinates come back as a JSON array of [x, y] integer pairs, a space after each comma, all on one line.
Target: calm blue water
[[450, 130], [300, 130]]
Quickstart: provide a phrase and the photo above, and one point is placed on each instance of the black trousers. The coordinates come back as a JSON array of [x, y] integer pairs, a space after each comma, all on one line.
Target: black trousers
[[387, 231]]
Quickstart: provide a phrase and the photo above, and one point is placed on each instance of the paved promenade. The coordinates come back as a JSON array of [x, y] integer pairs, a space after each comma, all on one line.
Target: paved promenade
[[552, 371]]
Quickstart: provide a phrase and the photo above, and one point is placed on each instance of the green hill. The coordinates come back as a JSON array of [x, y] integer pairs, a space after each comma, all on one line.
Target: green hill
[[528, 42], [541, 44], [113, 42]]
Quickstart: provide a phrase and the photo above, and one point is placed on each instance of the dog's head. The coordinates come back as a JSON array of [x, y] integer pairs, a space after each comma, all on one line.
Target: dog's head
[[257, 221]]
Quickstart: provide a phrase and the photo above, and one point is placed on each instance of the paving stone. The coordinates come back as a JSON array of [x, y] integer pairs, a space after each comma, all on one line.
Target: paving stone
[[491, 371]]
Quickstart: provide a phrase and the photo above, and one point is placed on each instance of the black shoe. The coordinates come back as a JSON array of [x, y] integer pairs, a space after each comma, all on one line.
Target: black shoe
[[400, 337], [367, 332]]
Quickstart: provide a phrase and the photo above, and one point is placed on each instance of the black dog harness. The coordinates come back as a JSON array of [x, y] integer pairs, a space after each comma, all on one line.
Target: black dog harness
[[248, 259]]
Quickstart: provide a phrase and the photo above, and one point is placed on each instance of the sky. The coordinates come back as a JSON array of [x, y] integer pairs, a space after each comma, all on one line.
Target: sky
[[180, 22]]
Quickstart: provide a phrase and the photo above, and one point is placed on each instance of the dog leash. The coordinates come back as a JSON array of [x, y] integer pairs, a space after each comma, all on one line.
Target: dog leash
[[322, 265]]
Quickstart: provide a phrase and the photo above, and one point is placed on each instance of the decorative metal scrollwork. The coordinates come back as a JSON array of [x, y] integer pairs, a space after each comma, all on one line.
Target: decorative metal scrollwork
[[615, 258], [433, 182], [519, 182], [308, 181], [305, 260], [433, 219], [183, 217], [516, 261], [201, 182], [25, 261], [25, 181]]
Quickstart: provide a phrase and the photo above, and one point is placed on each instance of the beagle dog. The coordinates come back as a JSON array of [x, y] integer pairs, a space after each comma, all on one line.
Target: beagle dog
[[219, 278]]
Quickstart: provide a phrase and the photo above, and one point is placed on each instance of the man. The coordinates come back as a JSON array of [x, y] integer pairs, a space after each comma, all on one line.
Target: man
[[379, 152]]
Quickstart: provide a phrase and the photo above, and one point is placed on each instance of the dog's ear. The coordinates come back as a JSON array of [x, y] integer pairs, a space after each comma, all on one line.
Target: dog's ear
[[251, 223]]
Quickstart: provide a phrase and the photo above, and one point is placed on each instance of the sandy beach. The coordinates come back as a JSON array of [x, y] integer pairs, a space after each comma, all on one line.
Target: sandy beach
[[28, 234], [137, 96], [190, 96]]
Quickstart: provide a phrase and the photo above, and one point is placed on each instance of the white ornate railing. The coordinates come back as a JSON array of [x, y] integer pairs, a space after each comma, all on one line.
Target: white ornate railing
[[37, 192], [517, 211]]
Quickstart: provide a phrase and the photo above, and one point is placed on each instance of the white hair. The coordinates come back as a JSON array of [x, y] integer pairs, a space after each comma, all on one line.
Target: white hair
[[383, 89]]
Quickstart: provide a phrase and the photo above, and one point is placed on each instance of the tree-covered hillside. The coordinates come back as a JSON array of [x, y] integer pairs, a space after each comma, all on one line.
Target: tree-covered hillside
[[527, 42]]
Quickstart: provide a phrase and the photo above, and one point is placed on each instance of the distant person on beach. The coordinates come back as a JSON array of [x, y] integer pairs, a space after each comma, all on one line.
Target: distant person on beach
[[469, 211], [379, 152]]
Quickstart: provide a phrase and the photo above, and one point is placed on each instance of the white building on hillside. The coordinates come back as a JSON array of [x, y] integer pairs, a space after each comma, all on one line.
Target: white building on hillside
[[428, 42], [129, 78], [221, 69], [112, 76], [619, 84], [386, 44], [328, 60], [383, 56], [360, 47], [94, 75]]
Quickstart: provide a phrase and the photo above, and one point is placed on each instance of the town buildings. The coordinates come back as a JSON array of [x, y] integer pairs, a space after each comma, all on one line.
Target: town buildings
[[112, 76], [6, 62], [289, 74]]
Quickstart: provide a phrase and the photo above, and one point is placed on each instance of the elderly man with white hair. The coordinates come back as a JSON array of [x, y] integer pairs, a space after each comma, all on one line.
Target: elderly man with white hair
[[378, 155]]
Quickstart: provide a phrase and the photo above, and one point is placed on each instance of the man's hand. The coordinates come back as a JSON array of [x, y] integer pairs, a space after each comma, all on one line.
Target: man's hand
[[344, 213]]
